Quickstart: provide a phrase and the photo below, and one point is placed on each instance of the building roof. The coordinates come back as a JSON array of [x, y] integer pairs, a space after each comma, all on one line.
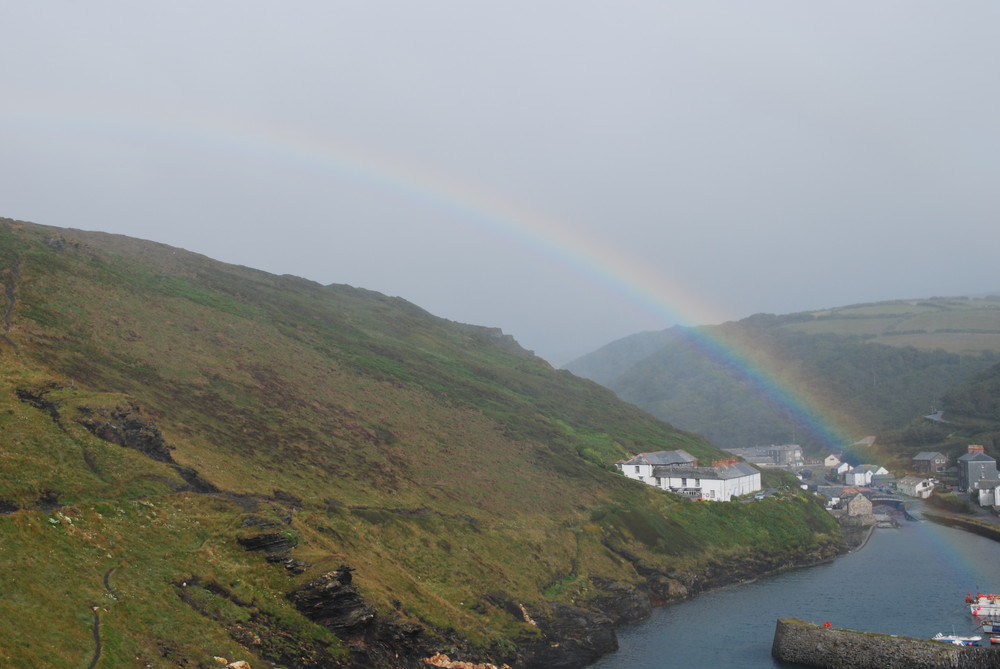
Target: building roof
[[721, 472], [986, 484], [678, 457], [928, 455], [976, 457]]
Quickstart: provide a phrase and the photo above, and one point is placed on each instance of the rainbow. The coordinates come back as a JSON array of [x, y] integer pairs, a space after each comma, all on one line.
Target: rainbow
[[652, 290]]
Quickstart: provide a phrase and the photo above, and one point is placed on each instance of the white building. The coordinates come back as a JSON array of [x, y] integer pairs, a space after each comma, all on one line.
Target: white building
[[641, 466], [915, 486], [862, 475], [678, 472], [986, 491]]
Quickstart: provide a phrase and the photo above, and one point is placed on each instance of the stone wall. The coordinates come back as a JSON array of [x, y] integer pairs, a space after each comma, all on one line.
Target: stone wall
[[816, 646]]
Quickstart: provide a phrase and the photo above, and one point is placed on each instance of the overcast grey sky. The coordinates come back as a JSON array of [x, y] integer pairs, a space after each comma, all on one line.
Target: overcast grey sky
[[571, 172]]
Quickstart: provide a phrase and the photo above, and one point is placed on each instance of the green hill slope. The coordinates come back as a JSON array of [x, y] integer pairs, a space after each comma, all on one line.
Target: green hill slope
[[860, 381], [970, 414], [204, 460]]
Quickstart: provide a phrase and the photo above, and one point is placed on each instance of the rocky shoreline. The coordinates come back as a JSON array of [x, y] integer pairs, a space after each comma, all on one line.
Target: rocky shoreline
[[569, 636]]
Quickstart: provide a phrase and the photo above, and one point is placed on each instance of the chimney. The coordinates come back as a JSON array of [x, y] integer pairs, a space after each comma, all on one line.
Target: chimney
[[974, 448]]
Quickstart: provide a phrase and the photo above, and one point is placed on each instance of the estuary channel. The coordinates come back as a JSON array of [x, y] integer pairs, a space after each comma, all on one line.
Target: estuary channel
[[910, 581]]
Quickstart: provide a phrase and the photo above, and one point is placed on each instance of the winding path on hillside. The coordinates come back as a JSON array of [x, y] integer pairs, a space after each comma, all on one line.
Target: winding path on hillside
[[97, 619]]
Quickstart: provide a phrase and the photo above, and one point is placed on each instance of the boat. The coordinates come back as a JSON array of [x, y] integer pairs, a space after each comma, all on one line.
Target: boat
[[956, 639], [984, 606], [995, 639], [989, 626]]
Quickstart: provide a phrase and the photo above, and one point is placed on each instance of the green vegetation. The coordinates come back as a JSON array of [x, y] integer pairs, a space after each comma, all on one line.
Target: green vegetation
[[445, 465], [865, 369], [946, 501], [972, 414]]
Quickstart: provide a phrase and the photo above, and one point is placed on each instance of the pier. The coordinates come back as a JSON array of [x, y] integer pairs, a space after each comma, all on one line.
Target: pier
[[833, 648]]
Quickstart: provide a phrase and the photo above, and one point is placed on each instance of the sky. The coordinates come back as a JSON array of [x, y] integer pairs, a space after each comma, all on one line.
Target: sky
[[571, 172]]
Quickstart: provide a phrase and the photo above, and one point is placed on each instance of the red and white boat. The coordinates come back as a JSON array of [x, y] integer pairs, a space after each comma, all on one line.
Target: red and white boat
[[984, 606]]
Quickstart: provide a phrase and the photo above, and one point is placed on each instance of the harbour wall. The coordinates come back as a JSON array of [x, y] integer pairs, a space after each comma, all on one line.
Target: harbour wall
[[833, 648], [983, 529]]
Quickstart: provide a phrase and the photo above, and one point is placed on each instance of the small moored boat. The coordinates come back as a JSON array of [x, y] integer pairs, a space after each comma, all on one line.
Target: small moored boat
[[956, 639], [989, 626]]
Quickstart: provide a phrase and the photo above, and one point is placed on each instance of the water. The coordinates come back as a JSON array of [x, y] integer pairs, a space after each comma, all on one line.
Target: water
[[910, 581]]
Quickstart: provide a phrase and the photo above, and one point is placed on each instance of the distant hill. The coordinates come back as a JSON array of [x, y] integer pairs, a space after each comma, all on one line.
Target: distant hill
[[970, 414], [200, 460], [870, 367]]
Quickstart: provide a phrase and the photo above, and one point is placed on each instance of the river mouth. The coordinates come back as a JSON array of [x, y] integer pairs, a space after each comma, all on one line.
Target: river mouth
[[910, 581]]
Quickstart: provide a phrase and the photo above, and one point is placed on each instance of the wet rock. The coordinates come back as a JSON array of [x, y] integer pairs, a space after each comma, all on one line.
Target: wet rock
[[7, 506], [571, 637], [334, 602], [125, 426], [271, 543], [624, 604]]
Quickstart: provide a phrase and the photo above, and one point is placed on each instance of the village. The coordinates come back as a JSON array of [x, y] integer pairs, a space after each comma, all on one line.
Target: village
[[852, 492]]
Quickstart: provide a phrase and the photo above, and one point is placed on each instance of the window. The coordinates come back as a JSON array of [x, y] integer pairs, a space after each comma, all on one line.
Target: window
[[659, 482], [637, 469]]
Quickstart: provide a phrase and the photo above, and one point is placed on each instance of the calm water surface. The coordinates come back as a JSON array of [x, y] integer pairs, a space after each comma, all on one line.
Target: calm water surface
[[910, 581]]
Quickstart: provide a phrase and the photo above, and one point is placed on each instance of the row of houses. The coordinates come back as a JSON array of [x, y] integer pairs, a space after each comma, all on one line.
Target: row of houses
[[862, 475], [784, 455], [678, 471]]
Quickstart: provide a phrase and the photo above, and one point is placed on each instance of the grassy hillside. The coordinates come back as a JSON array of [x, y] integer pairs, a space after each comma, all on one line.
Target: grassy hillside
[[193, 453], [971, 415], [860, 381], [954, 324]]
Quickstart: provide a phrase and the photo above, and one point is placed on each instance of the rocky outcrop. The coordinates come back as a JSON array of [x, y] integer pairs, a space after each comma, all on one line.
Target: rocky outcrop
[[832, 648], [622, 603], [276, 547], [568, 637], [374, 640], [256, 630], [125, 426], [571, 637], [333, 601]]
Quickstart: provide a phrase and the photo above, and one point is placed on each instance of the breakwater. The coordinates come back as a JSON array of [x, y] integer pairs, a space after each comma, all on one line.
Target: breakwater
[[832, 648], [974, 525]]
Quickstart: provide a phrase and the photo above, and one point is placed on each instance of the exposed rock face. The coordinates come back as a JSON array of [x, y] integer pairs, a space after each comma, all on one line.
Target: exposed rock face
[[124, 425], [332, 600], [571, 637], [7, 506], [276, 547], [335, 603], [623, 603]]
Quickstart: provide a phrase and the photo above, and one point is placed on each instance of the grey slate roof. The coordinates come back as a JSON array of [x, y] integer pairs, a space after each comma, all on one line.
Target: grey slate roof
[[720, 473], [976, 457], [678, 457], [927, 455]]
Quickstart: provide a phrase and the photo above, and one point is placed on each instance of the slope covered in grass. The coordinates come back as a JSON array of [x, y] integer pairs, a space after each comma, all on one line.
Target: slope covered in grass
[[865, 381], [189, 446]]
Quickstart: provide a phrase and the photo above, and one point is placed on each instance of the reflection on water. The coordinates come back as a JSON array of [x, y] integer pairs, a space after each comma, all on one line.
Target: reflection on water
[[911, 581]]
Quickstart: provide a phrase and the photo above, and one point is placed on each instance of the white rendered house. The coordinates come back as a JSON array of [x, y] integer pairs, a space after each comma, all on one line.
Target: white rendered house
[[722, 481]]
